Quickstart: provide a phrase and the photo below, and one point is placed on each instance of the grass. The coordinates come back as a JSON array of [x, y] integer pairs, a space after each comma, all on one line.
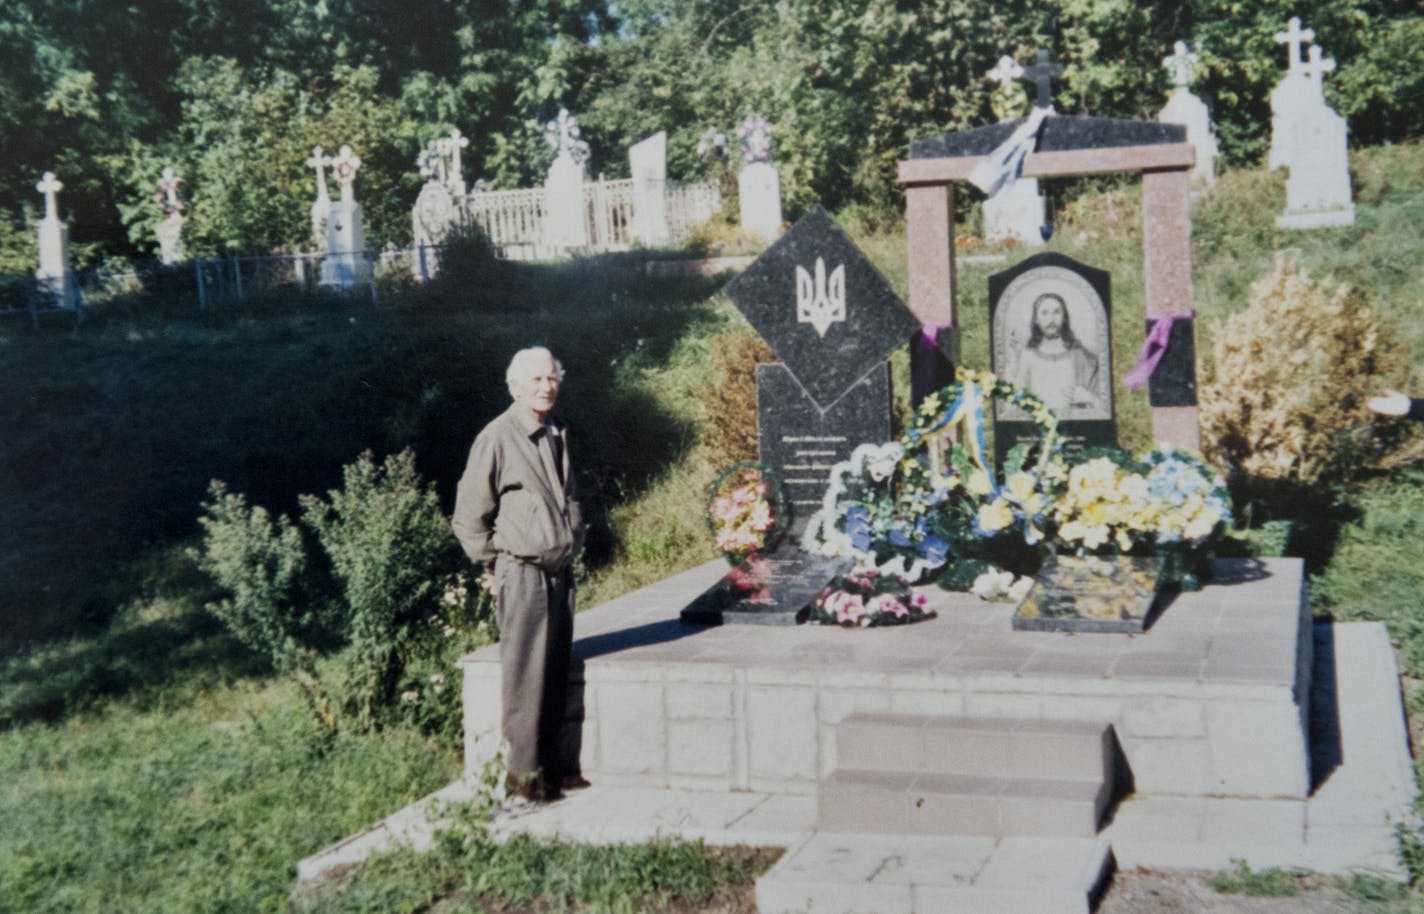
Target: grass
[[1267, 883], [153, 764], [201, 800]]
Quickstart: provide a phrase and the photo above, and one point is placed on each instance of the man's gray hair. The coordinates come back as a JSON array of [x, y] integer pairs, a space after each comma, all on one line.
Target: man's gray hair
[[522, 358]]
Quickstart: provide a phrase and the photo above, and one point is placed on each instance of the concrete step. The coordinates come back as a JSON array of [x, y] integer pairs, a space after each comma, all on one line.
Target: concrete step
[[832, 873], [910, 803], [976, 746]]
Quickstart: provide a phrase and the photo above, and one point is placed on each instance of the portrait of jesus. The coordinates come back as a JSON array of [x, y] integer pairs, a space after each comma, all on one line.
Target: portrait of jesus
[[1051, 338]]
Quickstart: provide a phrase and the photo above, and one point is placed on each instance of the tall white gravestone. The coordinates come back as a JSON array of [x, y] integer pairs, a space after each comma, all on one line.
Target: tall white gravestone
[[170, 230], [1309, 140], [321, 207], [647, 161], [758, 184], [1015, 212], [565, 211], [1183, 107], [345, 264], [55, 279]]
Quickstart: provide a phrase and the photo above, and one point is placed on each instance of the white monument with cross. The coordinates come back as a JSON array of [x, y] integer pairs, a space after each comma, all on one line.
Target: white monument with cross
[[345, 264], [1309, 139], [170, 229], [441, 204], [565, 216], [1015, 212], [55, 278], [321, 208], [1183, 107]]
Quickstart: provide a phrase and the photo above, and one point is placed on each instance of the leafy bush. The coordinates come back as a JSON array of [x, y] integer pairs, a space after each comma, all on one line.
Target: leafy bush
[[261, 563], [730, 403], [391, 550], [407, 608], [1284, 397]]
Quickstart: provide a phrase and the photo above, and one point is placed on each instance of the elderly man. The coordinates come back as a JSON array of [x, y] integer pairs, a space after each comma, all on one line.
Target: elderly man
[[516, 513]]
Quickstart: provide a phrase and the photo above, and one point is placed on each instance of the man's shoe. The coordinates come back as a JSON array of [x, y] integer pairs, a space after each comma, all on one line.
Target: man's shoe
[[575, 782], [525, 788]]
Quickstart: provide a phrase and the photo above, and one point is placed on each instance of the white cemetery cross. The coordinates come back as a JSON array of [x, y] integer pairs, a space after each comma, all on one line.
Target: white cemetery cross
[[1310, 141], [454, 171], [647, 162], [345, 264], [565, 210], [321, 208], [53, 275], [1183, 107], [170, 230], [1016, 211], [758, 184]]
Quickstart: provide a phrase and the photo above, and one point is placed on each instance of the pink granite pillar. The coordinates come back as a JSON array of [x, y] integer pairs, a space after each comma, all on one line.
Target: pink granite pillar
[[1167, 268], [929, 240]]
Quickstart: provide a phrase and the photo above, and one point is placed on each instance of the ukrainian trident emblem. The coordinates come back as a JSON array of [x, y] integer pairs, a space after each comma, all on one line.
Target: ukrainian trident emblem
[[820, 301]]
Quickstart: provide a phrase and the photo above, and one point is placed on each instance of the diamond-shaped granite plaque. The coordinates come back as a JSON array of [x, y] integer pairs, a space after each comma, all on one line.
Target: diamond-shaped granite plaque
[[824, 309]]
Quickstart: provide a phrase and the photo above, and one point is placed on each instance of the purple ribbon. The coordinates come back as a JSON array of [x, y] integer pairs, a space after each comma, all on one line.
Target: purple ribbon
[[930, 332], [1153, 349]]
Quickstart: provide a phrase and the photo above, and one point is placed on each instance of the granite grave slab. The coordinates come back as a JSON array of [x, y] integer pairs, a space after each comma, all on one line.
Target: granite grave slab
[[775, 588], [1091, 594], [822, 306]]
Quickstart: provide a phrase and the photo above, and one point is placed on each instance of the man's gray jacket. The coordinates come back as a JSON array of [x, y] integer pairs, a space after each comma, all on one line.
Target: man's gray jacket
[[509, 502]]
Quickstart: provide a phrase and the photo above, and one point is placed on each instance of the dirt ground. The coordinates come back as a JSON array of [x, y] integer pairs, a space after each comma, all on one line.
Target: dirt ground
[[1180, 892]]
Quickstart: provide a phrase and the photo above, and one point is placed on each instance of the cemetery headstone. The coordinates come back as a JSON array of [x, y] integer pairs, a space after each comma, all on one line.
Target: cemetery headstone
[[321, 207], [170, 230], [437, 208], [55, 279], [345, 265], [647, 162], [1015, 212], [565, 215], [1183, 107], [758, 184], [1309, 139], [1109, 593], [1050, 332], [832, 320]]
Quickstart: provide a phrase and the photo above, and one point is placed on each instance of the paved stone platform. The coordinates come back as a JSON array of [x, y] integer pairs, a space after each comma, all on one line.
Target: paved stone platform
[[1364, 784], [1358, 776], [1212, 700]]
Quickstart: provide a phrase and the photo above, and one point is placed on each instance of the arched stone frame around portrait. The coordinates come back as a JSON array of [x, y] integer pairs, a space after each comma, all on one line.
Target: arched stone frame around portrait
[[1086, 294], [1068, 145]]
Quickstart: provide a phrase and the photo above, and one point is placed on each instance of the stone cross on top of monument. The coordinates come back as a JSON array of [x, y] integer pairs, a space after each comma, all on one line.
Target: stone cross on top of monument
[[562, 134], [455, 172], [319, 162], [1182, 64], [168, 192], [1043, 72], [49, 185], [1317, 68], [1293, 38], [345, 166], [1006, 72]]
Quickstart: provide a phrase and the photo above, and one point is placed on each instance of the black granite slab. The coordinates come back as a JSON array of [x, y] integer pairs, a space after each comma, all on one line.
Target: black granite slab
[[1059, 133], [772, 589], [830, 356], [1086, 294], [802, 441], [1174, 383], [1091, 594]]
